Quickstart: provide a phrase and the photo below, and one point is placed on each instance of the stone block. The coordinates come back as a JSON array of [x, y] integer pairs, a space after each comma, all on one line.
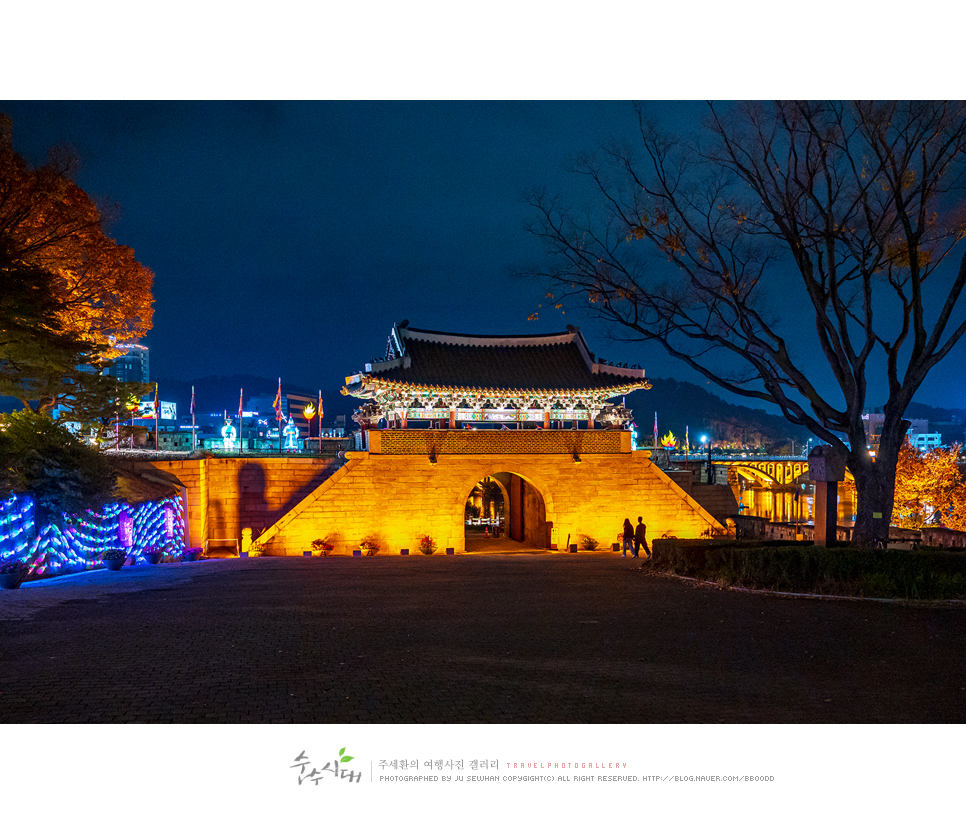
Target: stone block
[[825, 463]]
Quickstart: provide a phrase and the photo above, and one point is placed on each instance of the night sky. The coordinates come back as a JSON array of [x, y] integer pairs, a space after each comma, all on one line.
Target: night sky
[[287, 237]]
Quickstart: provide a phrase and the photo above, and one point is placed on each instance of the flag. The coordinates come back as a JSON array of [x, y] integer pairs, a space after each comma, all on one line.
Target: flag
[[277, 404], [320, 408], [155, 400], [687, 441], [655, 430], [241, 393], [192, 400]]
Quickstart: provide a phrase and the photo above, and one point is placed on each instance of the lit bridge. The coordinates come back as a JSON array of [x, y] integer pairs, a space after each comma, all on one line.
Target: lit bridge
[[773, 471]]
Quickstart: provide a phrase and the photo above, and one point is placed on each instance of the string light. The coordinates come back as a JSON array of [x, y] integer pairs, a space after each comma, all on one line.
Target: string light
[[79, 545]]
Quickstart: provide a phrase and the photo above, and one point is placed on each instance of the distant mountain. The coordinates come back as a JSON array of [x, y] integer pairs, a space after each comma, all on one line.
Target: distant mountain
[[935, 414], [681, 405]]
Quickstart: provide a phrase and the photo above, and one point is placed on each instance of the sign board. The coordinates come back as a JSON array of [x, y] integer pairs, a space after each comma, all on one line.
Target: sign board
[[169, 410]]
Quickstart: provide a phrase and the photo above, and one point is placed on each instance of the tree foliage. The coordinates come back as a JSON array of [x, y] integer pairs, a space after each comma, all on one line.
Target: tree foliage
[[843, 212], [929, 488], [42, 459], [45, 366], [68, 293], [48, 223]]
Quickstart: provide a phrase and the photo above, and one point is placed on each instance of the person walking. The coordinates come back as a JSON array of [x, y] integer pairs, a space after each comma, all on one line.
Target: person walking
[[628, 537], [640, 538]]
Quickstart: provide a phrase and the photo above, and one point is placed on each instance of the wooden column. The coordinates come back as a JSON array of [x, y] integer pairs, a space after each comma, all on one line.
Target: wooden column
[[826, 512], [516, 508]]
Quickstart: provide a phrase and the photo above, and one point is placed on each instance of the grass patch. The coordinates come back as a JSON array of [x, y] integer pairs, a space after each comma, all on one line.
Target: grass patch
[[804, 568]]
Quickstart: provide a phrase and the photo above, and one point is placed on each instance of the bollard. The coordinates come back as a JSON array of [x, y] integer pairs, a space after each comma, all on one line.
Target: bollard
[[450, 551], [573, 548], [306, 553], [357, 553], [404, 552]]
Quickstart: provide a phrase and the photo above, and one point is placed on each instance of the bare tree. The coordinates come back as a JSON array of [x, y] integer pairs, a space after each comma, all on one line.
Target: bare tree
[[843, 213]]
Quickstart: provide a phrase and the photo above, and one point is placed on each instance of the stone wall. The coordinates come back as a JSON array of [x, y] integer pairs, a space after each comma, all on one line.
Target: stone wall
[[228, 494], [943, 537], [399, 498]]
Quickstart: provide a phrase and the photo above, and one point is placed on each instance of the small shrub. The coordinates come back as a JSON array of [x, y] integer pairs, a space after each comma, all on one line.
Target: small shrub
[[878, 585], [323, 546], [427, 545], [113, 554], [13, 565], [803, 568], [589, 543], [370, 546]]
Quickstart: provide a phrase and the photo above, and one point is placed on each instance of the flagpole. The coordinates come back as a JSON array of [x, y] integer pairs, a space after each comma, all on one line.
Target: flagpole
[[241, 420], [278, 414], [320, 422], [157, 445], [192, 419]]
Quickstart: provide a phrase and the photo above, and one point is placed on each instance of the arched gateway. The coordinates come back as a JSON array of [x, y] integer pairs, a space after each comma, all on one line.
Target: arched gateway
[[502, 407], [519, 513]]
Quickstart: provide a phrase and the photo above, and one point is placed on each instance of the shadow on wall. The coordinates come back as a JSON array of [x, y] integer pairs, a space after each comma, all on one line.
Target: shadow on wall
[[323, 472], [253, 508]]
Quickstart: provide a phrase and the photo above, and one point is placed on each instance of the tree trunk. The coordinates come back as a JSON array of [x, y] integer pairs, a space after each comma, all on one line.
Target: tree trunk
[[875, 483], [874, 494]]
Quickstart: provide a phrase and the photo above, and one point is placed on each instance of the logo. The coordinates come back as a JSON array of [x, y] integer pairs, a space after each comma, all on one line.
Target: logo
[[335, 768]]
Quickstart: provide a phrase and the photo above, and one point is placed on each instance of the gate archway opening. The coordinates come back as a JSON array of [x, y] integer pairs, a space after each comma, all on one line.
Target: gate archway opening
[[505, 506]]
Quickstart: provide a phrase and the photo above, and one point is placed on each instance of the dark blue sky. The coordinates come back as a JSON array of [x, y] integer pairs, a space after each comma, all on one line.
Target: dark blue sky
[[287, 237]]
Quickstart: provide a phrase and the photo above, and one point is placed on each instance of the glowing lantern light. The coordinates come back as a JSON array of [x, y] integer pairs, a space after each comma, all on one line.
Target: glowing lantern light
[[169, 521], [309, 411], [125, 530], [669, 441]]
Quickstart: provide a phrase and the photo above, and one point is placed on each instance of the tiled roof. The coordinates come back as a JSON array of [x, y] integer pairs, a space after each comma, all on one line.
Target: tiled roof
[[550, 362]]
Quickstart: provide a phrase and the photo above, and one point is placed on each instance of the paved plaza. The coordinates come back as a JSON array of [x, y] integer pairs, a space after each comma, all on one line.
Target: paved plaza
[[499, 637]]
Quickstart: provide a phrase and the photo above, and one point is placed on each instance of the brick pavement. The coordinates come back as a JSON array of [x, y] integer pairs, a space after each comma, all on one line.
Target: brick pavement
[[551, 638]]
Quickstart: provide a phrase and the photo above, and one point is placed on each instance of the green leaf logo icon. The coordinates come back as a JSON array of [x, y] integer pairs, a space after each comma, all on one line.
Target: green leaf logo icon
[[343, 757]]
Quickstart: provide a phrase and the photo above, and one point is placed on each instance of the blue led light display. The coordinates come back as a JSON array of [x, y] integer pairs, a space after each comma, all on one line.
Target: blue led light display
[[79, 541]]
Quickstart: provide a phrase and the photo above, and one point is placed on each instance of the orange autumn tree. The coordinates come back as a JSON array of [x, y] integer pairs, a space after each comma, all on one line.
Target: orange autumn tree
[[929, 489], [47, 222]]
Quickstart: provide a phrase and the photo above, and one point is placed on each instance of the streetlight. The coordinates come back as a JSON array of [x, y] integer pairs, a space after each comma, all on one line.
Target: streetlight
[[710, 468]]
